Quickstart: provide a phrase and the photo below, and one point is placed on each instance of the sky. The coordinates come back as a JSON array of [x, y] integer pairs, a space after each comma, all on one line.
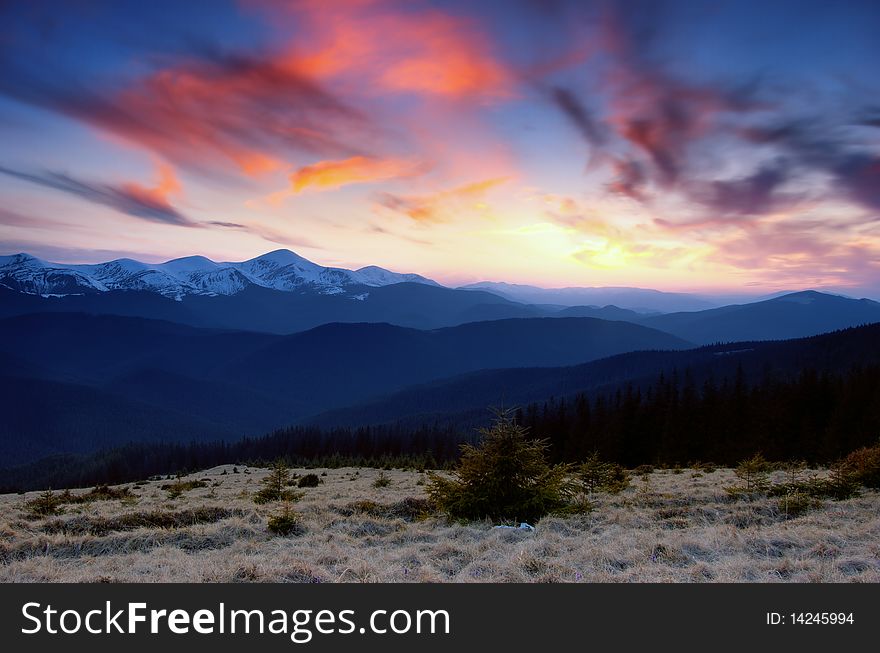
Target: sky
[[701, 145]]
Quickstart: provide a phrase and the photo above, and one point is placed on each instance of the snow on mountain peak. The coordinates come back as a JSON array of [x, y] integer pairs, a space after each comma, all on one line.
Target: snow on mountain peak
[[20, 259], [193, 275], [189, 264], [281, 257], [373, 275]]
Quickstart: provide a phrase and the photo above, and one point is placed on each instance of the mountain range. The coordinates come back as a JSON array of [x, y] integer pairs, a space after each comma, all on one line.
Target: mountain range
[[74, 380], [642, 300], [462, 401], [794, 315], [92, 356], [193, 275], [281, 292]]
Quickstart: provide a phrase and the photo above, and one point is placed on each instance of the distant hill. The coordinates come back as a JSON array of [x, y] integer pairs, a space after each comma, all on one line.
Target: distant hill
[[43, 418], [256, 308], [609, 312], [794, 315], [178, 381], [338, 363], [638, 299], [463, 401], [812, 399]]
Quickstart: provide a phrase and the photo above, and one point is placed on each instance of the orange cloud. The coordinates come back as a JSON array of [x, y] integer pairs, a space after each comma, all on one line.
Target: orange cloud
[[355, 170], [254, 113], [158, 195], [448, 61], [130, 198], [430, 53], [212, 111], [440, 207]]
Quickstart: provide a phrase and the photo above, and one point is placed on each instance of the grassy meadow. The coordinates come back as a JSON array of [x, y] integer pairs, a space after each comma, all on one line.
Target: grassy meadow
[[667, 526]]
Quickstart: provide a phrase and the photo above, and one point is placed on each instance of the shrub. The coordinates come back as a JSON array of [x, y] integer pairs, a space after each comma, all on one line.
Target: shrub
[[50, 504], [309, 480], [179, 487], [596, 475], [841, 482], [46, 504], [382, 480], [409, 509], [274, 486], [754, 473], [864, 466], [579, 506], [794, 471], [795, 504], [286, 523], [705, 468], [505, 477]]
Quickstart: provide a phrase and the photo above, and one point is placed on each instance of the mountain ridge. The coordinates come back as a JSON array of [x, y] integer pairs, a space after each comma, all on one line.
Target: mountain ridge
[[280, 269], [218, 383], [793, 315]]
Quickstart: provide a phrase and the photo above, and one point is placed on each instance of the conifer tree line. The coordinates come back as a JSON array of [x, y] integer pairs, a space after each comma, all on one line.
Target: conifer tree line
[[672, 420], [305, 446], [817, 417]]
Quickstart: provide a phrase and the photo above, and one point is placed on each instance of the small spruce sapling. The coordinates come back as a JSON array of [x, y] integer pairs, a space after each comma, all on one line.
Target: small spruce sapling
[[275, 484]]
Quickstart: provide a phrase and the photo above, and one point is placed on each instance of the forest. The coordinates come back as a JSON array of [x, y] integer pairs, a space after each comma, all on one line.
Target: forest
[[813, 416]]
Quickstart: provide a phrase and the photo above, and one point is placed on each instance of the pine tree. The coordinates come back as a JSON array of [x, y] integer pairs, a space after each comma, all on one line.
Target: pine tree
[[754, 472], [597, 475], [275, 485], [505, 477]]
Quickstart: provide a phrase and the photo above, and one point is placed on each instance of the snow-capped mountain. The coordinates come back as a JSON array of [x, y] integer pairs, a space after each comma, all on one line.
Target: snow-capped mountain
[[194, 275]]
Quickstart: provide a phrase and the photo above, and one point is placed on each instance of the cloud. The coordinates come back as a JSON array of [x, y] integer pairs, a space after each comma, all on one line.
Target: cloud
[[377, 229], [870, 117], [579, 116], [257, 110], [394, 47], [209, 111], [755, 194], [650, 118], [441, 206], [606, 245], [266, 233], [816, 145], [326, 175], [660, 117], [130, 198], [654, 131], [629, 179], [15, 219], [54, 253], [811, 252]]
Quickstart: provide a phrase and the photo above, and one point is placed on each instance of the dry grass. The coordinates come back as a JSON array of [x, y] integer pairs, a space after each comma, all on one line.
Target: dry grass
[[677, 527]]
